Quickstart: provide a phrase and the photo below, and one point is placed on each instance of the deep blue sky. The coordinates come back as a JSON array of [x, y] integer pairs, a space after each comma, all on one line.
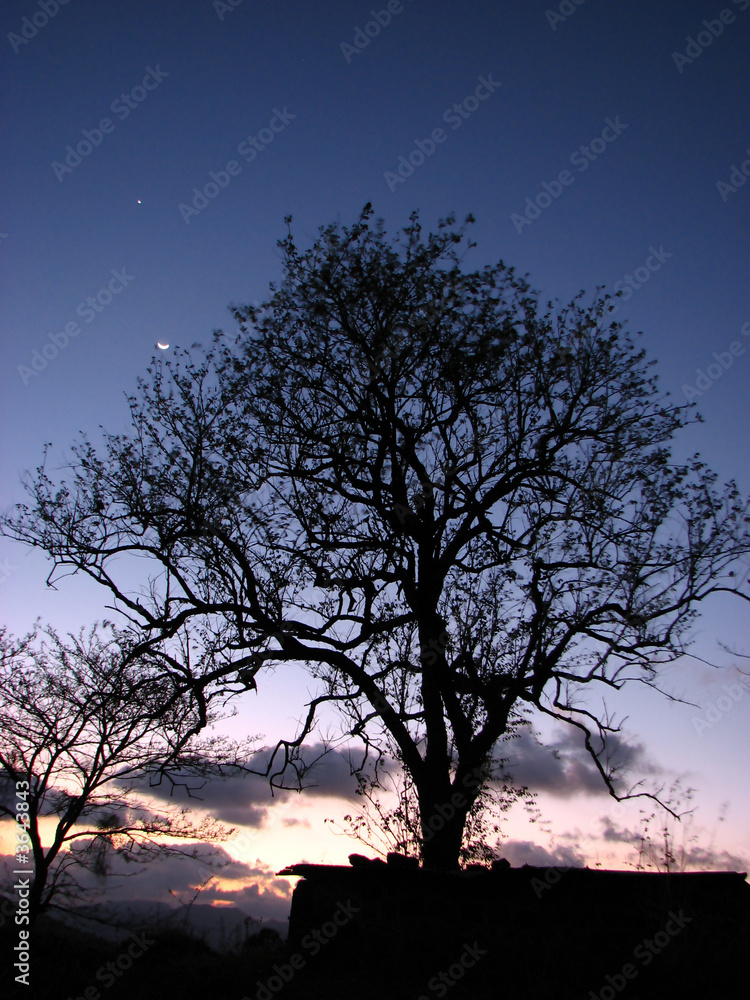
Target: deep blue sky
[[227, 74]]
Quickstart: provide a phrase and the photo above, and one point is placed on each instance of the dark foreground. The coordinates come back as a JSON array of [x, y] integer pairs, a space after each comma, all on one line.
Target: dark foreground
[[521, 934]]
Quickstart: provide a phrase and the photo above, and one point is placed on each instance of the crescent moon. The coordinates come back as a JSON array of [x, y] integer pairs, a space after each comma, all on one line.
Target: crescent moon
[[162, 347]]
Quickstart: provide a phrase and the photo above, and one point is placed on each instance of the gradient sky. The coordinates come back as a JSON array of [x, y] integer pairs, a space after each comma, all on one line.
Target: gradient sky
[[184, 86]]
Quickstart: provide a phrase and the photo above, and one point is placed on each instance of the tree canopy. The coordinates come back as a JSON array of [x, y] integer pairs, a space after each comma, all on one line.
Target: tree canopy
[[454, 504]]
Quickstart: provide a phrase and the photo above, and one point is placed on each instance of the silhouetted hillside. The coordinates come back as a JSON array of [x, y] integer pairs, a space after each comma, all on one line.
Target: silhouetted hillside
[[141, 962], [223, 929]]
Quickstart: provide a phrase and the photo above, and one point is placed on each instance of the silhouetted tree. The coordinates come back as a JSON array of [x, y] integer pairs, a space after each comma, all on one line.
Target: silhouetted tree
[[447, 500], [85, 724]]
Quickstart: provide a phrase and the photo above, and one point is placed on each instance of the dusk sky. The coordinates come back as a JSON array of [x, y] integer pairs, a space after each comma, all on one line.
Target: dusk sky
[[152, 150]]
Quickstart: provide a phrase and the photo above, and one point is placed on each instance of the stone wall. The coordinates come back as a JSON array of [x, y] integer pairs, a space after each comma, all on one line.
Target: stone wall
[[526, 932]]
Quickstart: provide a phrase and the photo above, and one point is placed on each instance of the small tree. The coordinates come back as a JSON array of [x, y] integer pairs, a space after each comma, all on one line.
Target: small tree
[[384, 825], [85, 724], [443, 498]]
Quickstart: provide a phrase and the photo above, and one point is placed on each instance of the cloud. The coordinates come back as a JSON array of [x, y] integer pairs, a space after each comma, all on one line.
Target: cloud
[[708, 859], [525, 852], [690, 858], [565, 768], [239, 798], [244, 799], [331, 775], [612, 834], [255, 889]]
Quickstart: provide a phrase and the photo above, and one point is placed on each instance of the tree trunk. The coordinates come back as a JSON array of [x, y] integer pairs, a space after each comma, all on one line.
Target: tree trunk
[[35, 896], [442, 829]]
